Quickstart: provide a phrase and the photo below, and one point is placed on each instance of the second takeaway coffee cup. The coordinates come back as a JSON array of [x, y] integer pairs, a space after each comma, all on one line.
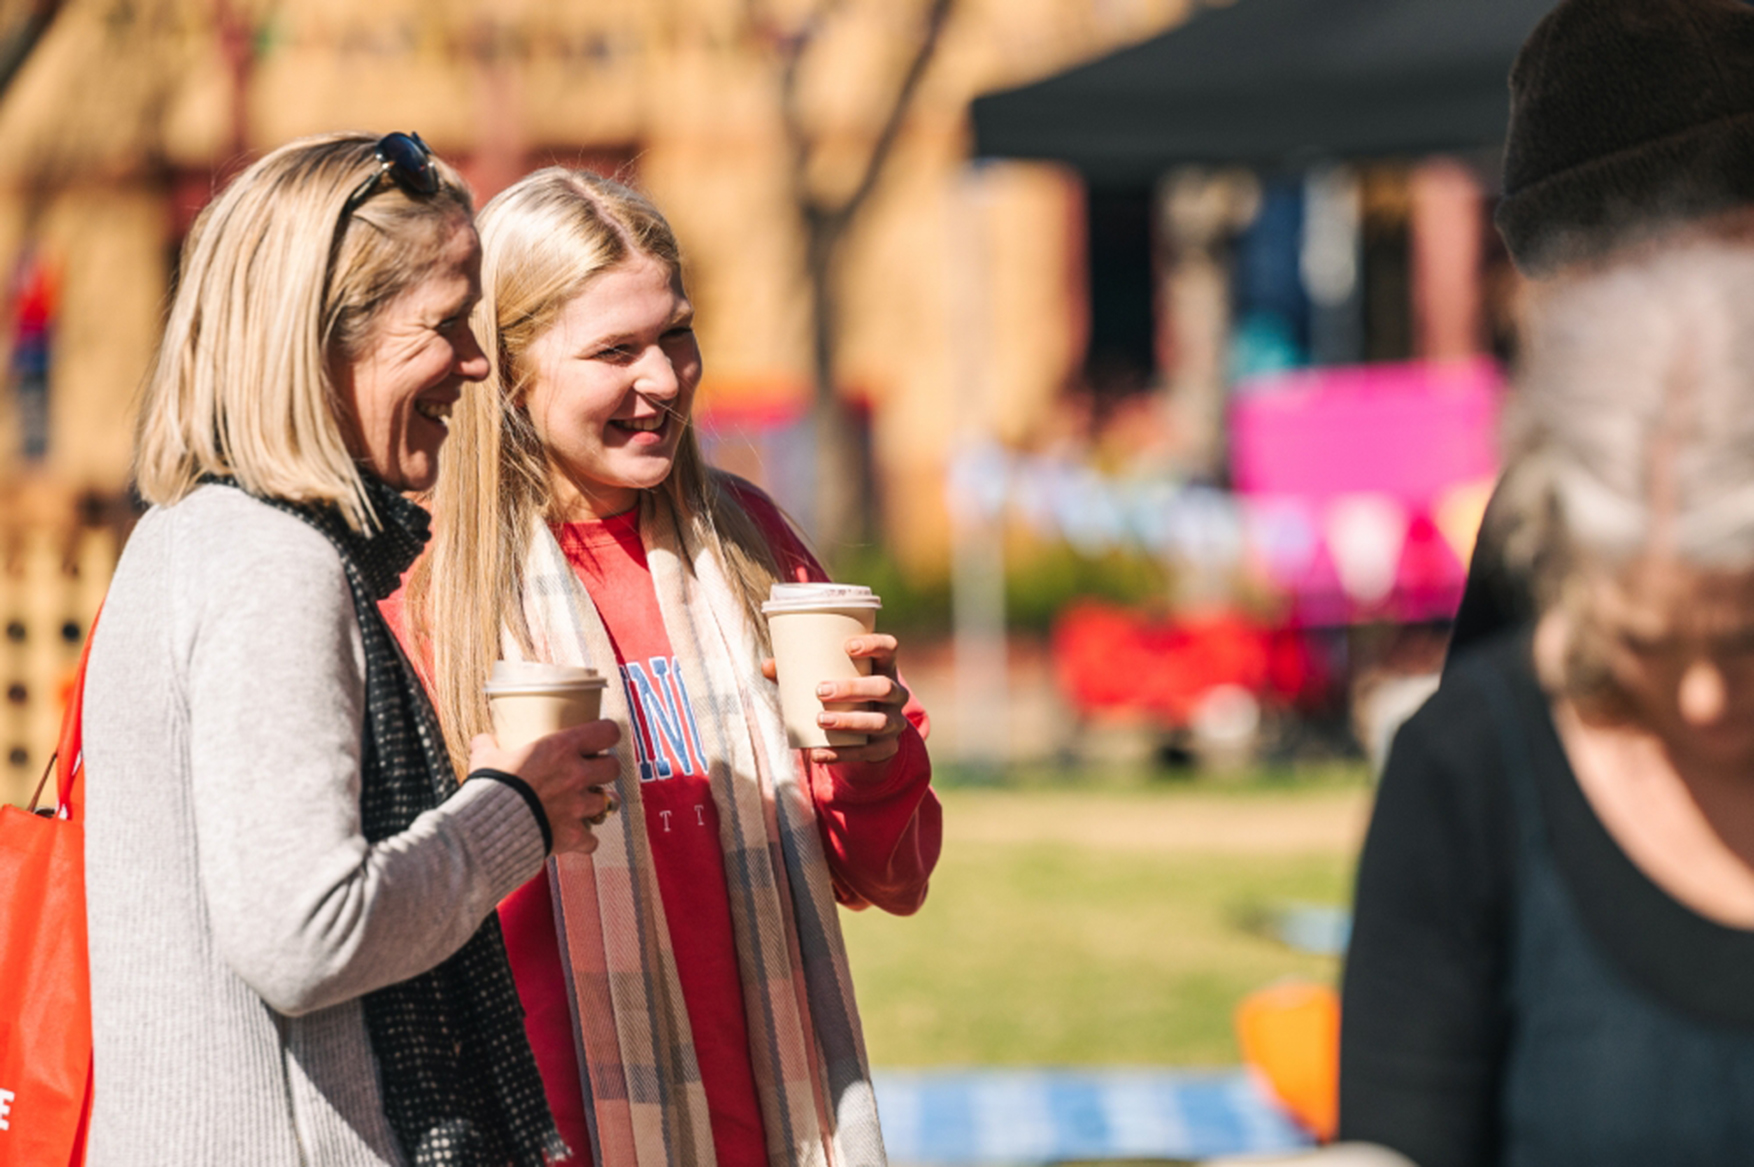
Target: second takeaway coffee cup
[[809, 624], [530, 700]]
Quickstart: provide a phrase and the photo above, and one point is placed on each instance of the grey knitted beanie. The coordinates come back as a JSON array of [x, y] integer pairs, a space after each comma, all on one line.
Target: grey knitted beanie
[[1626, 116]]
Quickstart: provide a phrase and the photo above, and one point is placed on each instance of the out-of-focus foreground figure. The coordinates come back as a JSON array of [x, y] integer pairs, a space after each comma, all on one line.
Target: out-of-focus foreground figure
[[1629, 119], [1553, 958]]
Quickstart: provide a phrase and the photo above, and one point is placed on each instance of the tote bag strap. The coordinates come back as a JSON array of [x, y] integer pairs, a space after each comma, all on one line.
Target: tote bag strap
[[67, 763]]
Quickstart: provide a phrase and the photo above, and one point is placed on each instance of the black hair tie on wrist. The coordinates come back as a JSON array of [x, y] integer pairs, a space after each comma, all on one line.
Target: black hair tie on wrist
[[529, 796]]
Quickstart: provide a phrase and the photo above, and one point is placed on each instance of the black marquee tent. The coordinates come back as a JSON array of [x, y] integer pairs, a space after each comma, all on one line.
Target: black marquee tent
[[1274, 82]]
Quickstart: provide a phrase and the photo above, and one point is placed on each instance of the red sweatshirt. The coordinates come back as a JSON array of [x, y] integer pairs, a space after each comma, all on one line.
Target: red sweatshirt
[[880, 823]]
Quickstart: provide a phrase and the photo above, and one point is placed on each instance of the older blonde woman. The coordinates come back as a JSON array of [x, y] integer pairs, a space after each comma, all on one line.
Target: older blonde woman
[[694, 1005], [1553, 959], [294, 958]]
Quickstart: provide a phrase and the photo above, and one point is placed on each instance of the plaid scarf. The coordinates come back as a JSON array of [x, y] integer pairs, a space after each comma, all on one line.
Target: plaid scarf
[[460, 1086], [642, 1076]]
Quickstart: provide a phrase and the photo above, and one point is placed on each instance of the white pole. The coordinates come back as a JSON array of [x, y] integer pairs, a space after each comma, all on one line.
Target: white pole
[[977, 572]]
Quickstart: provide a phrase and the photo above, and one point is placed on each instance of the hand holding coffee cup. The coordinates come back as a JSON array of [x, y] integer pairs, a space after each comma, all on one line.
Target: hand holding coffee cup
[[547, 717], [529, 699], [568, 770], [839, 694]]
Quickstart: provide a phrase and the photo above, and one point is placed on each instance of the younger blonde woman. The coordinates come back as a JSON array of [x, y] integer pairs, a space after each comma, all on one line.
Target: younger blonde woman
[[686, 987]]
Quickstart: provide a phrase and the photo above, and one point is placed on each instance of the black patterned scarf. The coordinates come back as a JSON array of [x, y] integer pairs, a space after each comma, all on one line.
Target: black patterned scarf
[[460, 1085]]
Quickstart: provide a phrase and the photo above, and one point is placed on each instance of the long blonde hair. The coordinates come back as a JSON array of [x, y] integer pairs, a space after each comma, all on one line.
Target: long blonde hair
[[268, 300], [543, 240]]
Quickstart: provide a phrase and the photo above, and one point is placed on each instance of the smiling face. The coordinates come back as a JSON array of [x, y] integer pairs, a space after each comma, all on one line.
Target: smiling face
[[611, 383], [397, 395]]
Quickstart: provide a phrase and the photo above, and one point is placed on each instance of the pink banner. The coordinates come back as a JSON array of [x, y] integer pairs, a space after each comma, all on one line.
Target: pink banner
[[1387, 465], [1410, 431]]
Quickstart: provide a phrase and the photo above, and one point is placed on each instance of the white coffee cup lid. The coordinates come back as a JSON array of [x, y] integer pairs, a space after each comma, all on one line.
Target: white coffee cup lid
[[818, 597], [519, 676]]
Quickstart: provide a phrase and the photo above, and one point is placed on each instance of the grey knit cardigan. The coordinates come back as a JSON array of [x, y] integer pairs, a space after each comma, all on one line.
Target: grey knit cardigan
[[236, 912]]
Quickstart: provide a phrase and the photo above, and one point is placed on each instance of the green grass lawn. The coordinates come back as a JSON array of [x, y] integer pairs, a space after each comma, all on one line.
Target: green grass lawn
[[1100, 927]]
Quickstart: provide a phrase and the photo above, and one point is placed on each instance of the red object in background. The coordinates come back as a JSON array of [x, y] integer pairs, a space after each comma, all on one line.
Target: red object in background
[[1109, 658], [1430, 574], [37, 290]]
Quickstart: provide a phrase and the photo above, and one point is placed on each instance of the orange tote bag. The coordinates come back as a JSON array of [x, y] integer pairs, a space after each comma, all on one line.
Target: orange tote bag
[[45, 985]]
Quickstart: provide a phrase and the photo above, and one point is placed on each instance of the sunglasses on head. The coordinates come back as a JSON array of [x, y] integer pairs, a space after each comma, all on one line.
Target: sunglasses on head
[[407, 160]]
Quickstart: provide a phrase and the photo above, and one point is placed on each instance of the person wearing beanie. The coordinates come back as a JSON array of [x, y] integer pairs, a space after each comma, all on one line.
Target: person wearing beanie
[[1628, 117], [1630, 121], [1552, 956]]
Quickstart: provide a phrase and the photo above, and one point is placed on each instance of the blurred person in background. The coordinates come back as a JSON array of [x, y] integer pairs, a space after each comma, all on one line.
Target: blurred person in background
[[1629, 119], [294, 958], [687, 990], [1553, 954]]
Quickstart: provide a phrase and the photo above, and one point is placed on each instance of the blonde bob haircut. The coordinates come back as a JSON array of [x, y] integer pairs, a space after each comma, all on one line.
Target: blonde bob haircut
[[270, 300], [543, 241]]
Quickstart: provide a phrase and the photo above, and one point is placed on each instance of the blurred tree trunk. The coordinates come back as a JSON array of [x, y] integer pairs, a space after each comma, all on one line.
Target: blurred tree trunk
[[20, 37], [843, 509]]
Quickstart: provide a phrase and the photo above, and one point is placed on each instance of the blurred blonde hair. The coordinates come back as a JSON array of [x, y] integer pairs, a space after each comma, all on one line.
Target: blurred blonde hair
[[1632, 429], [544, 239], [268, 300]]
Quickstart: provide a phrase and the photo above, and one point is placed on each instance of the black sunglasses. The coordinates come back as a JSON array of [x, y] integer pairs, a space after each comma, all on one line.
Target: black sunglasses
[[407, 160]]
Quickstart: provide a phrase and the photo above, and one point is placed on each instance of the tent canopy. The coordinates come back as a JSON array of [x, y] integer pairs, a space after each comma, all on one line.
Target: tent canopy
[[1274, 82]]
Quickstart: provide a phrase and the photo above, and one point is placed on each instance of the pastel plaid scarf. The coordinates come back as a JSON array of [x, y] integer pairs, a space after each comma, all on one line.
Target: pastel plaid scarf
[[642, 1076]]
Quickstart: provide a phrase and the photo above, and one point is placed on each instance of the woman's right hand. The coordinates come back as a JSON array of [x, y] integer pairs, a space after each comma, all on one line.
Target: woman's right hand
[[568, 771]]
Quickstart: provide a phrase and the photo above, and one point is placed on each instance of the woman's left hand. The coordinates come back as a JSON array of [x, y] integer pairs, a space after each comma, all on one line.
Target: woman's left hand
[[881, 721]]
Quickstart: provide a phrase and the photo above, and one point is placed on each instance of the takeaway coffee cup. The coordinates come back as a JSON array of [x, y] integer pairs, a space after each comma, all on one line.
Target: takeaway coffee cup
[[529, 700], [809, 625]]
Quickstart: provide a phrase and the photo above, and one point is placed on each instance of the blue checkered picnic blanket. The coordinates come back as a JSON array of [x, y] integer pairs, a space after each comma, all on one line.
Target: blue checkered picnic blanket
[[1030, 1116]]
